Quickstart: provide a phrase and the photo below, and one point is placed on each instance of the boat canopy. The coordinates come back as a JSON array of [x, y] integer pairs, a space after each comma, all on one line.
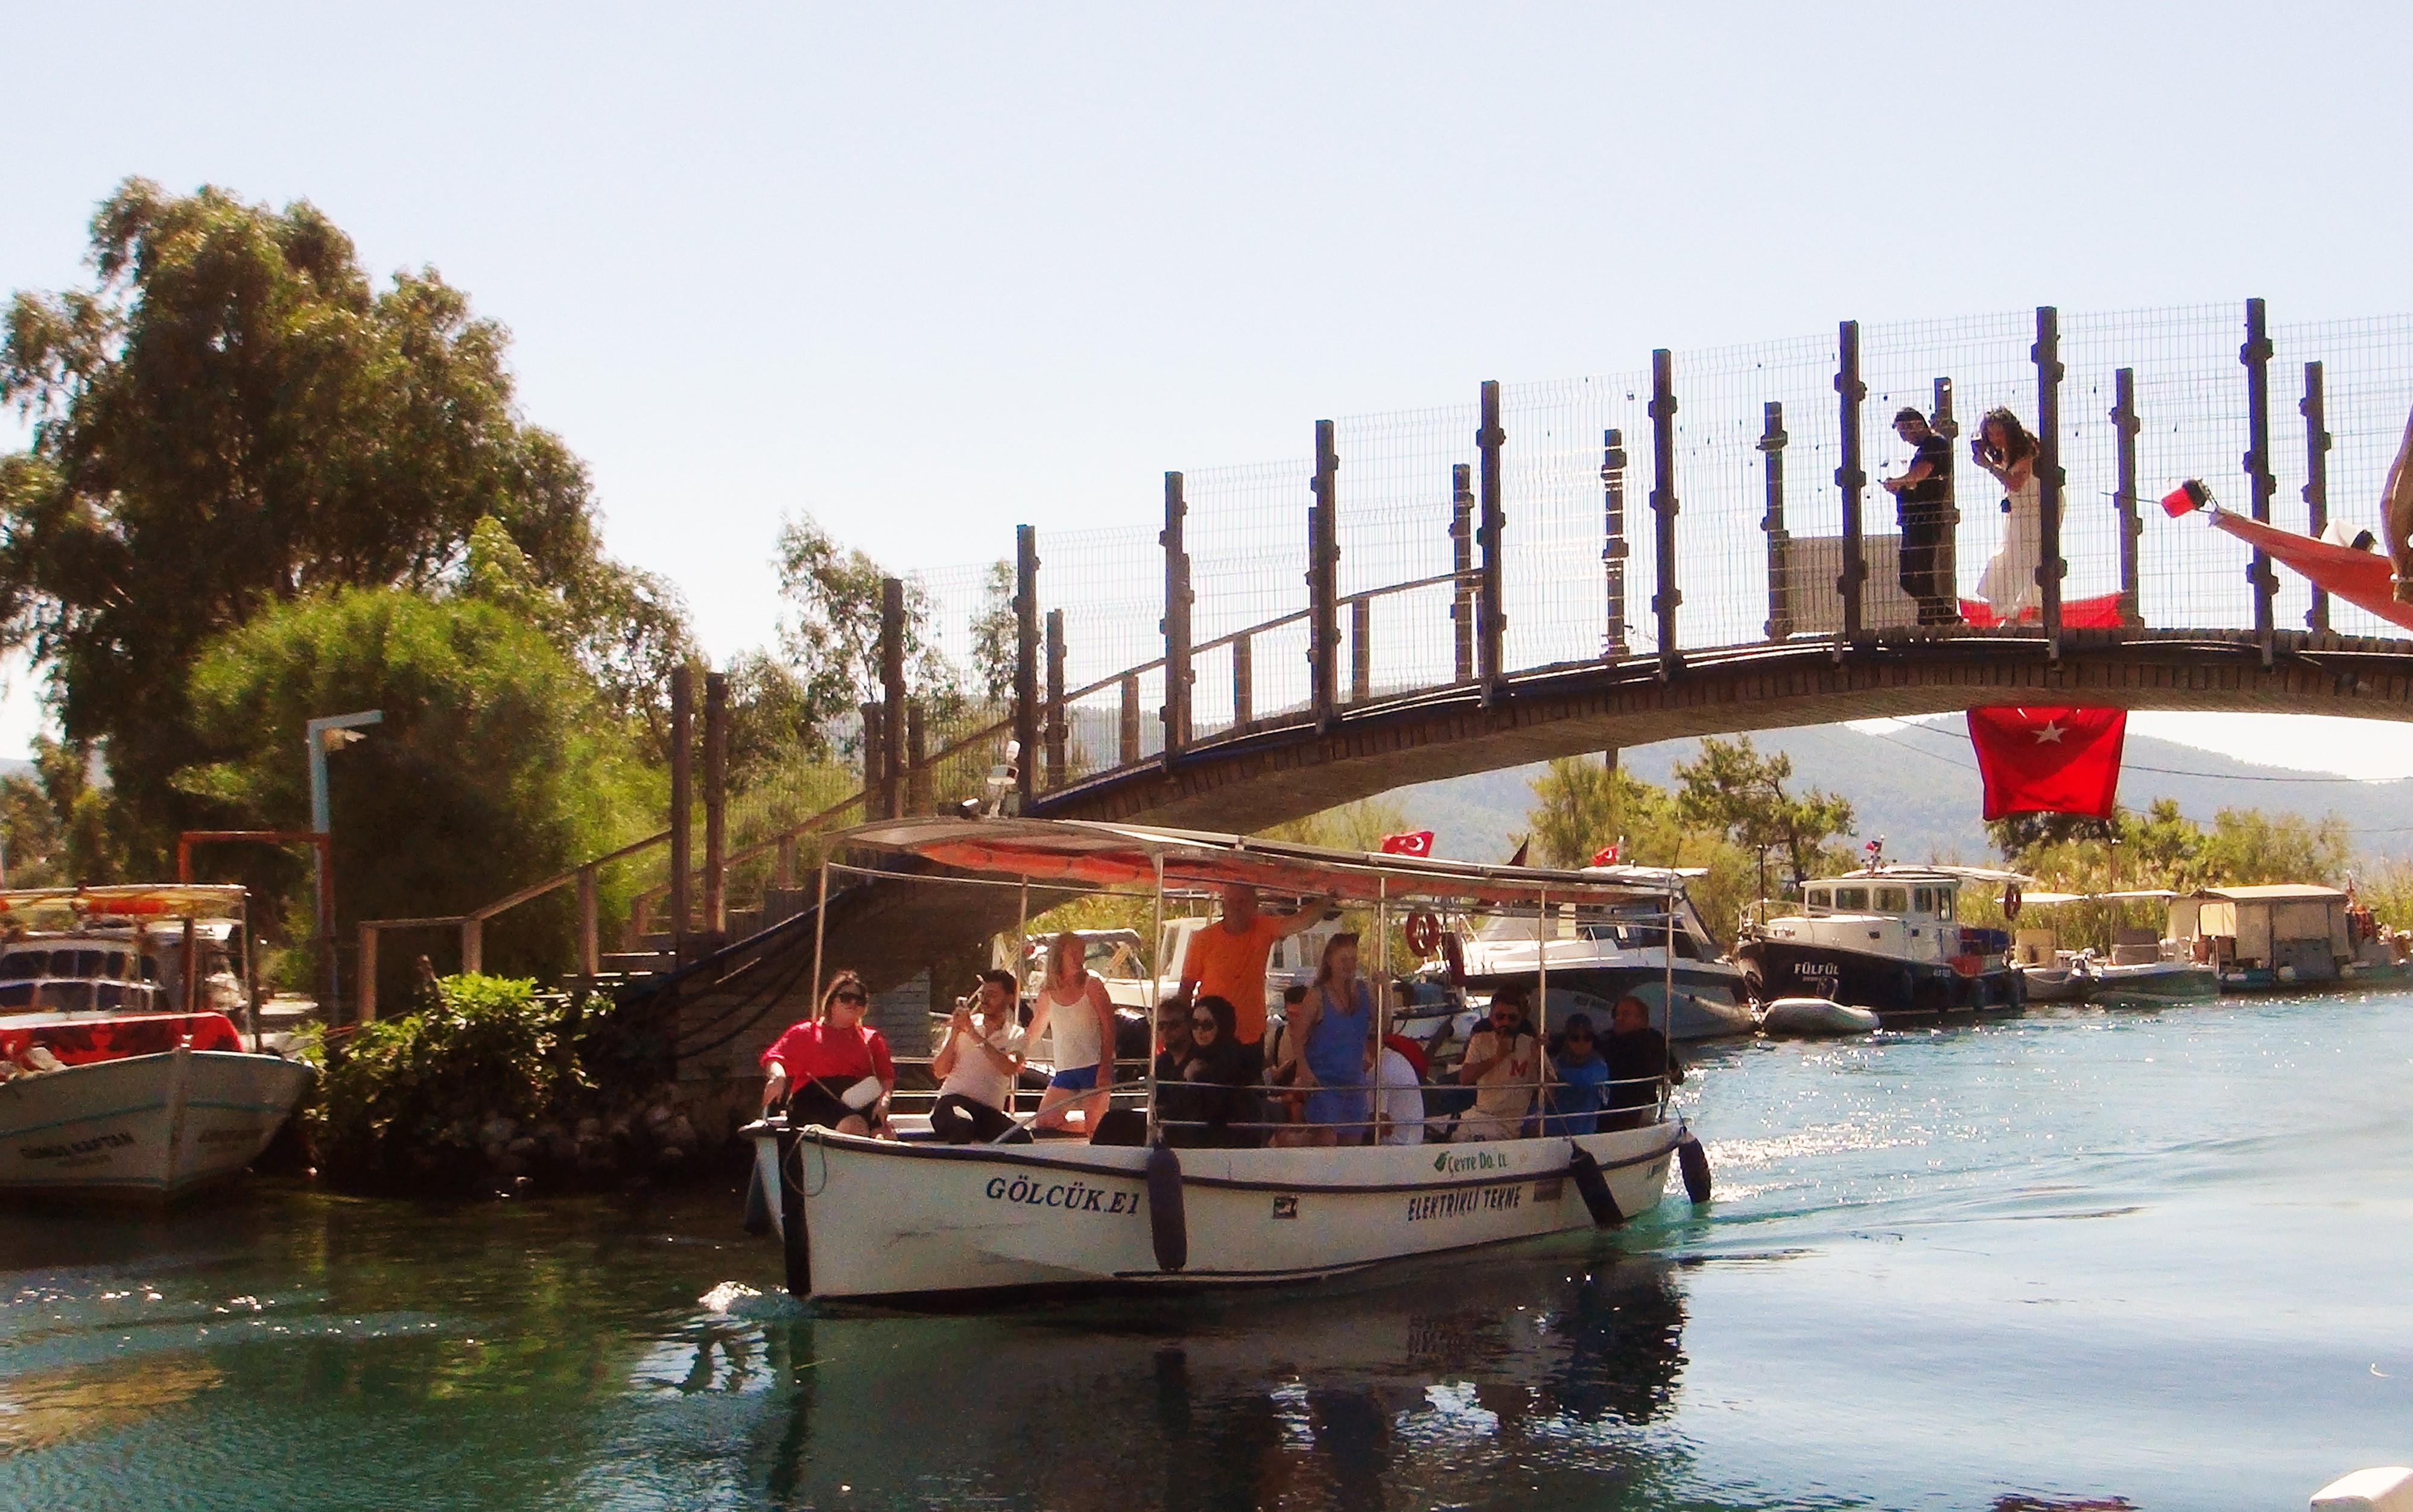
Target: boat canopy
[[2274, 893], [1109, 855], [67, 908], [1956, 874], [2046, 899]]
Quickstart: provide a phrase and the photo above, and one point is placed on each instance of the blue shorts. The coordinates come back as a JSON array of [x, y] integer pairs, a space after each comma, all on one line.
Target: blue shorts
[[1081, 1079]]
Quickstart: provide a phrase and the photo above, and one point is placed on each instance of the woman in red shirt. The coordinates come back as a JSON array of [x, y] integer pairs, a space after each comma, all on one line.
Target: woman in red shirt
[[825, 1056]]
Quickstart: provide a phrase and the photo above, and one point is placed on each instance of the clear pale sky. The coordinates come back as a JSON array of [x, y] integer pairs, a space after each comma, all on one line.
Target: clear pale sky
[[929, 271]]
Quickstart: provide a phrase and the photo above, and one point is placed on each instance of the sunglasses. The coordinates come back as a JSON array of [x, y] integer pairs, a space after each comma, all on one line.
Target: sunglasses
[[1203, 1023], [855, 998]]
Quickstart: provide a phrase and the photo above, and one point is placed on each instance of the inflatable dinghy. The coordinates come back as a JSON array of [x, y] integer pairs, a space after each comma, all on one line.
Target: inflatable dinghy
[[1803, 1017]]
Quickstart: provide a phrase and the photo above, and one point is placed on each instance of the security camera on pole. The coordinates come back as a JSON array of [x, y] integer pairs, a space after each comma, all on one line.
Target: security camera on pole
[[328, 735]]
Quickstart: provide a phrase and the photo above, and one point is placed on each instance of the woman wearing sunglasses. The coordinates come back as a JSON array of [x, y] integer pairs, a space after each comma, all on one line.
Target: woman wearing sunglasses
[[1216, 1077], [827, 1058]]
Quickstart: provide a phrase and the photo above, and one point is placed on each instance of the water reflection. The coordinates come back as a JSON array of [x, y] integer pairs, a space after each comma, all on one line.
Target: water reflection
[[1466, 1384]]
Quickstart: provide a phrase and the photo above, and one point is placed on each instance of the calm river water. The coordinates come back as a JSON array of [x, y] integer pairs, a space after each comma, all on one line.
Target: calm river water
[[2079, 1256]]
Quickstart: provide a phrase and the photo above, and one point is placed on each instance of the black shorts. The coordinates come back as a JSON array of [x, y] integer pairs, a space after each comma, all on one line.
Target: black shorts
[[810, 1102]]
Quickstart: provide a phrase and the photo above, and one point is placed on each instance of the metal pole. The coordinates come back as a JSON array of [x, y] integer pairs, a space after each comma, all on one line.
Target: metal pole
[[1492, 616], [1850, 393], [1025, 660], [2256, 355], [1176, 624], [1155, 976], [2050, 475], [1663, 503], [1614, 549], [1461, 563], [2317, 479], [682, 801], [1779, 540], [820, 923], [2125, 426], [716, 803], [316, 733], [1323, 580], [1543, 930], [1381, 1006]]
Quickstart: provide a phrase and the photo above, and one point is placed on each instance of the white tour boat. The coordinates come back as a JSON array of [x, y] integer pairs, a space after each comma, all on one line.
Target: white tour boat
[[1652, 944], [901, 1221], [123, 1074]]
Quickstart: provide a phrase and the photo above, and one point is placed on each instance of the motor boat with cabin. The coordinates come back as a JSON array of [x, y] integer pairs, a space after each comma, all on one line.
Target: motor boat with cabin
[[124, 1075], [1887, 938], [1652, 945], [2281, 937], [901, 1221], [2141, 971]]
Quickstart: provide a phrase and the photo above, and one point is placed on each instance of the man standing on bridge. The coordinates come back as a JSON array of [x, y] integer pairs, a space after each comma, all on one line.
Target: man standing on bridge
[[1227, 959], [1923, 504]]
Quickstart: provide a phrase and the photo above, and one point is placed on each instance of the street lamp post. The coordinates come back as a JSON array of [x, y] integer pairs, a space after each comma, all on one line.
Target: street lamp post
[[331, 734]]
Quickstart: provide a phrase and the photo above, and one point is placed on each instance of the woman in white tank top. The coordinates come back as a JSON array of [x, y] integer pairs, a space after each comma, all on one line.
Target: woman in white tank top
[[1075, 1004]]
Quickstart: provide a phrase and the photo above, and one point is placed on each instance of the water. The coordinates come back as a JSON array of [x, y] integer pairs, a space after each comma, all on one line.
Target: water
[[2079, 1256]]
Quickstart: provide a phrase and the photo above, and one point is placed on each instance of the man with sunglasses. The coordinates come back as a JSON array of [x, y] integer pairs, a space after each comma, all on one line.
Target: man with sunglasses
[[1506, 1066]]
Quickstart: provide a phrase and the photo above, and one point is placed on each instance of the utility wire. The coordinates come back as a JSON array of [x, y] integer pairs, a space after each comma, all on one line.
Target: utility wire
[[2173, 772]]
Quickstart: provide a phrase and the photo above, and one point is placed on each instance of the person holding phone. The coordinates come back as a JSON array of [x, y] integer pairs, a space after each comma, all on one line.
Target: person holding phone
[[1922, 498], [820, 1067], [978, 1064], [2004, 450]]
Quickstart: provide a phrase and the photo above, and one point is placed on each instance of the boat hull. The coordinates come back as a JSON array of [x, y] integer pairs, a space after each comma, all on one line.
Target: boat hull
[[1888, 986], [147, 1128], [1709, 1000], [895, 1222], [2154, 985]]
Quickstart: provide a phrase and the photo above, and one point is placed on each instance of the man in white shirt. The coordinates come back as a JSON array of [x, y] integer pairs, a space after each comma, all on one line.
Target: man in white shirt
[[978, 1065]]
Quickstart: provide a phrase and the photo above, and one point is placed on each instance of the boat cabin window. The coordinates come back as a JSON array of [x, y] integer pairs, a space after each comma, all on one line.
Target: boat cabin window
[[149, 968], [22, 965], [1922, 900], [1854, 899], [1820, 897], [1892, 900]]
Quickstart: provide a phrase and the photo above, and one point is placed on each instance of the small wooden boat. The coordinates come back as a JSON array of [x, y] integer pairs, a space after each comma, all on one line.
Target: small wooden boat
[[123, 1074], [896, 1221]]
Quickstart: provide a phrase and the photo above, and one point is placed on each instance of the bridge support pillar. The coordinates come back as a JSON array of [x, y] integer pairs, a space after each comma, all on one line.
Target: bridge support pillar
[[1491, 618], [917, 770], [1461, 562], [1614, 549], [2051, 478], [2125, 426], [2256, 355], [1663, 503], [682, 796], [1055, 737], [1128, 729], [1941, 420], [1770, 444], [2313, 407], [1244, 682], [1850, 394], [1174, 627], [1323, 581], [1361, 649], [1025, 660], [892, 694]]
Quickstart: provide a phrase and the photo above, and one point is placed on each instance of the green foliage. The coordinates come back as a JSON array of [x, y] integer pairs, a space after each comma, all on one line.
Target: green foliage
[[231, 418], [1733, 790], [408, 1097], [1582, 805], [1358, 825], [492, 770], [997, 636], [831, 633]]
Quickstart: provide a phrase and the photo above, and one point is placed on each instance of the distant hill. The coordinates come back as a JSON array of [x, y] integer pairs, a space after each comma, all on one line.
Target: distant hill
[[1917, 787]]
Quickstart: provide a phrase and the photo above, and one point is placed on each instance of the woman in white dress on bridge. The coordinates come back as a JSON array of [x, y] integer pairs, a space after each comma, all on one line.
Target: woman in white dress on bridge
[[2004, 447]]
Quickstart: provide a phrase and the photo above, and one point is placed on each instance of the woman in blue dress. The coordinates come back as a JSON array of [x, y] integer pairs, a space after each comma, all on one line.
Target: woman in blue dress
[[1336, 1040]]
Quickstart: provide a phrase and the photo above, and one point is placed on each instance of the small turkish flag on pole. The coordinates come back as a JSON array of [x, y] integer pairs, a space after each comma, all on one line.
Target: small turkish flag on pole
[[1415, 843], [1606, 854], [2049, 760]]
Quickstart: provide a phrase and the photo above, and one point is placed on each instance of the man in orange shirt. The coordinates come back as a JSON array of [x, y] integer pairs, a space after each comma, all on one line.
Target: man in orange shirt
[[1227, 959]]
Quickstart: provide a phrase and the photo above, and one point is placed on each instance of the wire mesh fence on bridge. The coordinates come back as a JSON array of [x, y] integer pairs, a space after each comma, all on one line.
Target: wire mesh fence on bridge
[[1575, 593]]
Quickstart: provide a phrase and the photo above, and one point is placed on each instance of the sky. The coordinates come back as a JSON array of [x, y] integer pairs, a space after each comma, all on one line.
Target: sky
[[929, 271]]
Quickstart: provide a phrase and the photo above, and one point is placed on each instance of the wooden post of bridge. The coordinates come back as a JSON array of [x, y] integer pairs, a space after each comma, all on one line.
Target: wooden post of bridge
[[1614, 548], [875, 760], [2052, 479], [716, 803], [1244, 682], [1850, 393], [1128, 727], [2256, 355], [2125, 426], [891, 697], [917, 758], [1361, 649], [1176, 624], [1055, 737], [682, 800], [1770, 444], [1492, 612], [1025, 660], [1662, 503], [590, 932], [1941, 420], [1323, 581], [2316, 480], [1461, 562]]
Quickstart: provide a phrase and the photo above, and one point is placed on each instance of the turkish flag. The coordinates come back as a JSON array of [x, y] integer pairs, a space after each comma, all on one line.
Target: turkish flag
[[1415, 843], [1605, 856], [2049, 760]]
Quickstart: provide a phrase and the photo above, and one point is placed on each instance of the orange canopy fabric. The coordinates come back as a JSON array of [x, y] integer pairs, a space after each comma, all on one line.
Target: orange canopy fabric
[[1109, 856], [2363, 578]]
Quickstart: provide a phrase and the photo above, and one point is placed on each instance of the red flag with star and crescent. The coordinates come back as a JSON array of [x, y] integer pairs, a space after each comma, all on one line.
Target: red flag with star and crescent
[[1415, 843], [2049, 760]]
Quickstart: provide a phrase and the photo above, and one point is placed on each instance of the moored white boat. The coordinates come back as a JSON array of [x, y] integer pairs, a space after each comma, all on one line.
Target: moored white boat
[[1157, 1202], [156, 1126]]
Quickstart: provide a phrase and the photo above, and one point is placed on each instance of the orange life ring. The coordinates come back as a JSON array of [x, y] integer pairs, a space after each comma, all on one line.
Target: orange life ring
[[1424, 934]]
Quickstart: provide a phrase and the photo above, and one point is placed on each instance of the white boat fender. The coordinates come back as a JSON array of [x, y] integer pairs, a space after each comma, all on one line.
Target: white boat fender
[[2385, 1489], [1593, 1187], [1168, 1224], [795, 1244], [1695, 1163]]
